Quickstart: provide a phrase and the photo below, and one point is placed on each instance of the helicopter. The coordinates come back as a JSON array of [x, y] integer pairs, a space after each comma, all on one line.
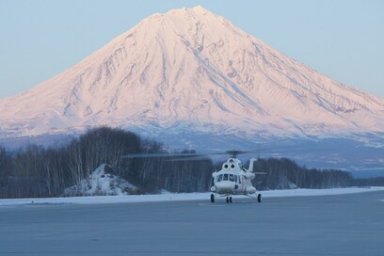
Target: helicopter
[[233, 179]]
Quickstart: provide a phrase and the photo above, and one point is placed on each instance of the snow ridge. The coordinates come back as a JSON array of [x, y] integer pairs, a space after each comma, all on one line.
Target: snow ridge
[[101, 183]]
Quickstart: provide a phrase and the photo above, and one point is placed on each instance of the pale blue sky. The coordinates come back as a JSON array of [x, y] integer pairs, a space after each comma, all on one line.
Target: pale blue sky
[[343, 39]]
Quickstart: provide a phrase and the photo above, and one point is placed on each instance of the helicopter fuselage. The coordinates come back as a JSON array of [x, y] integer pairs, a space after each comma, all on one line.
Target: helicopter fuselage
[[233, 179]]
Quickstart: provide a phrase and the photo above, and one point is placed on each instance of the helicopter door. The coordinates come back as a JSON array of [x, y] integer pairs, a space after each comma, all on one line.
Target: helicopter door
[[241, 182]]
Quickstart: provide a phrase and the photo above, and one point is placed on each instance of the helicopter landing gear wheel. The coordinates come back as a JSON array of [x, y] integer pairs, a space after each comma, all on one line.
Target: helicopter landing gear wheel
[[228, 199], [259, 198], [212, 198]]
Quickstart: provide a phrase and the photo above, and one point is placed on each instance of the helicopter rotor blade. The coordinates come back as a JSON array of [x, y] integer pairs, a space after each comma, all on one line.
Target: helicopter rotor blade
[[162, 155], [183, 159], [196, 156]]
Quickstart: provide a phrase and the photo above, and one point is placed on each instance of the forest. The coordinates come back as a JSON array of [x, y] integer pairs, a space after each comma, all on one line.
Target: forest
[[35, 171]]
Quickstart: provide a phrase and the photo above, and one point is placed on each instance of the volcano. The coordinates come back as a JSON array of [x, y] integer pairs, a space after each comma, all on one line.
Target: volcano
[[189, 71]]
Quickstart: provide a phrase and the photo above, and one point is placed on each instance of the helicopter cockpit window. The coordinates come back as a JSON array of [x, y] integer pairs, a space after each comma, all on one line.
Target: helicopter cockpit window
[[231, 177], [220, 177], [225, 177], [239, 179]]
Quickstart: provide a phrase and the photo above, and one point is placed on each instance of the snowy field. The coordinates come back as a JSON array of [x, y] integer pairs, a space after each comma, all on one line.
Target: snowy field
[[336, 222], [181, 196]]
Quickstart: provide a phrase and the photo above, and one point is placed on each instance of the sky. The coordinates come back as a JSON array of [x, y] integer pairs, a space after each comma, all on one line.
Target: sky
[[343, 39]]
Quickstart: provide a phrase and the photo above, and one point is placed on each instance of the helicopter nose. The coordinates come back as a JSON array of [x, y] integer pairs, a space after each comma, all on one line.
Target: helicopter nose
[[225, 187]]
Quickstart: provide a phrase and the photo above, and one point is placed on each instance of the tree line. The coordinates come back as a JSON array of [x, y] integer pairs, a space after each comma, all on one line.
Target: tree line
[[35, 171], [284, 174]]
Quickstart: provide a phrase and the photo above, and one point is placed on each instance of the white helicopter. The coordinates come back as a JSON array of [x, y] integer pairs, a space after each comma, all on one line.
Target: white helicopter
[[234, 179]]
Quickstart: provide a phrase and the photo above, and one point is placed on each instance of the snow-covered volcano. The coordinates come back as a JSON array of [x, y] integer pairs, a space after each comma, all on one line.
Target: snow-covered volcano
[[192, 70]]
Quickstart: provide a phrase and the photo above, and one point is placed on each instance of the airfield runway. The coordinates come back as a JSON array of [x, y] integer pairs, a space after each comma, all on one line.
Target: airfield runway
[[318, 225]]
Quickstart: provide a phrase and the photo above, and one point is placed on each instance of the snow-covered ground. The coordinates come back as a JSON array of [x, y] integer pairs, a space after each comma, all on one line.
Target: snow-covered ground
[[180, 196]]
